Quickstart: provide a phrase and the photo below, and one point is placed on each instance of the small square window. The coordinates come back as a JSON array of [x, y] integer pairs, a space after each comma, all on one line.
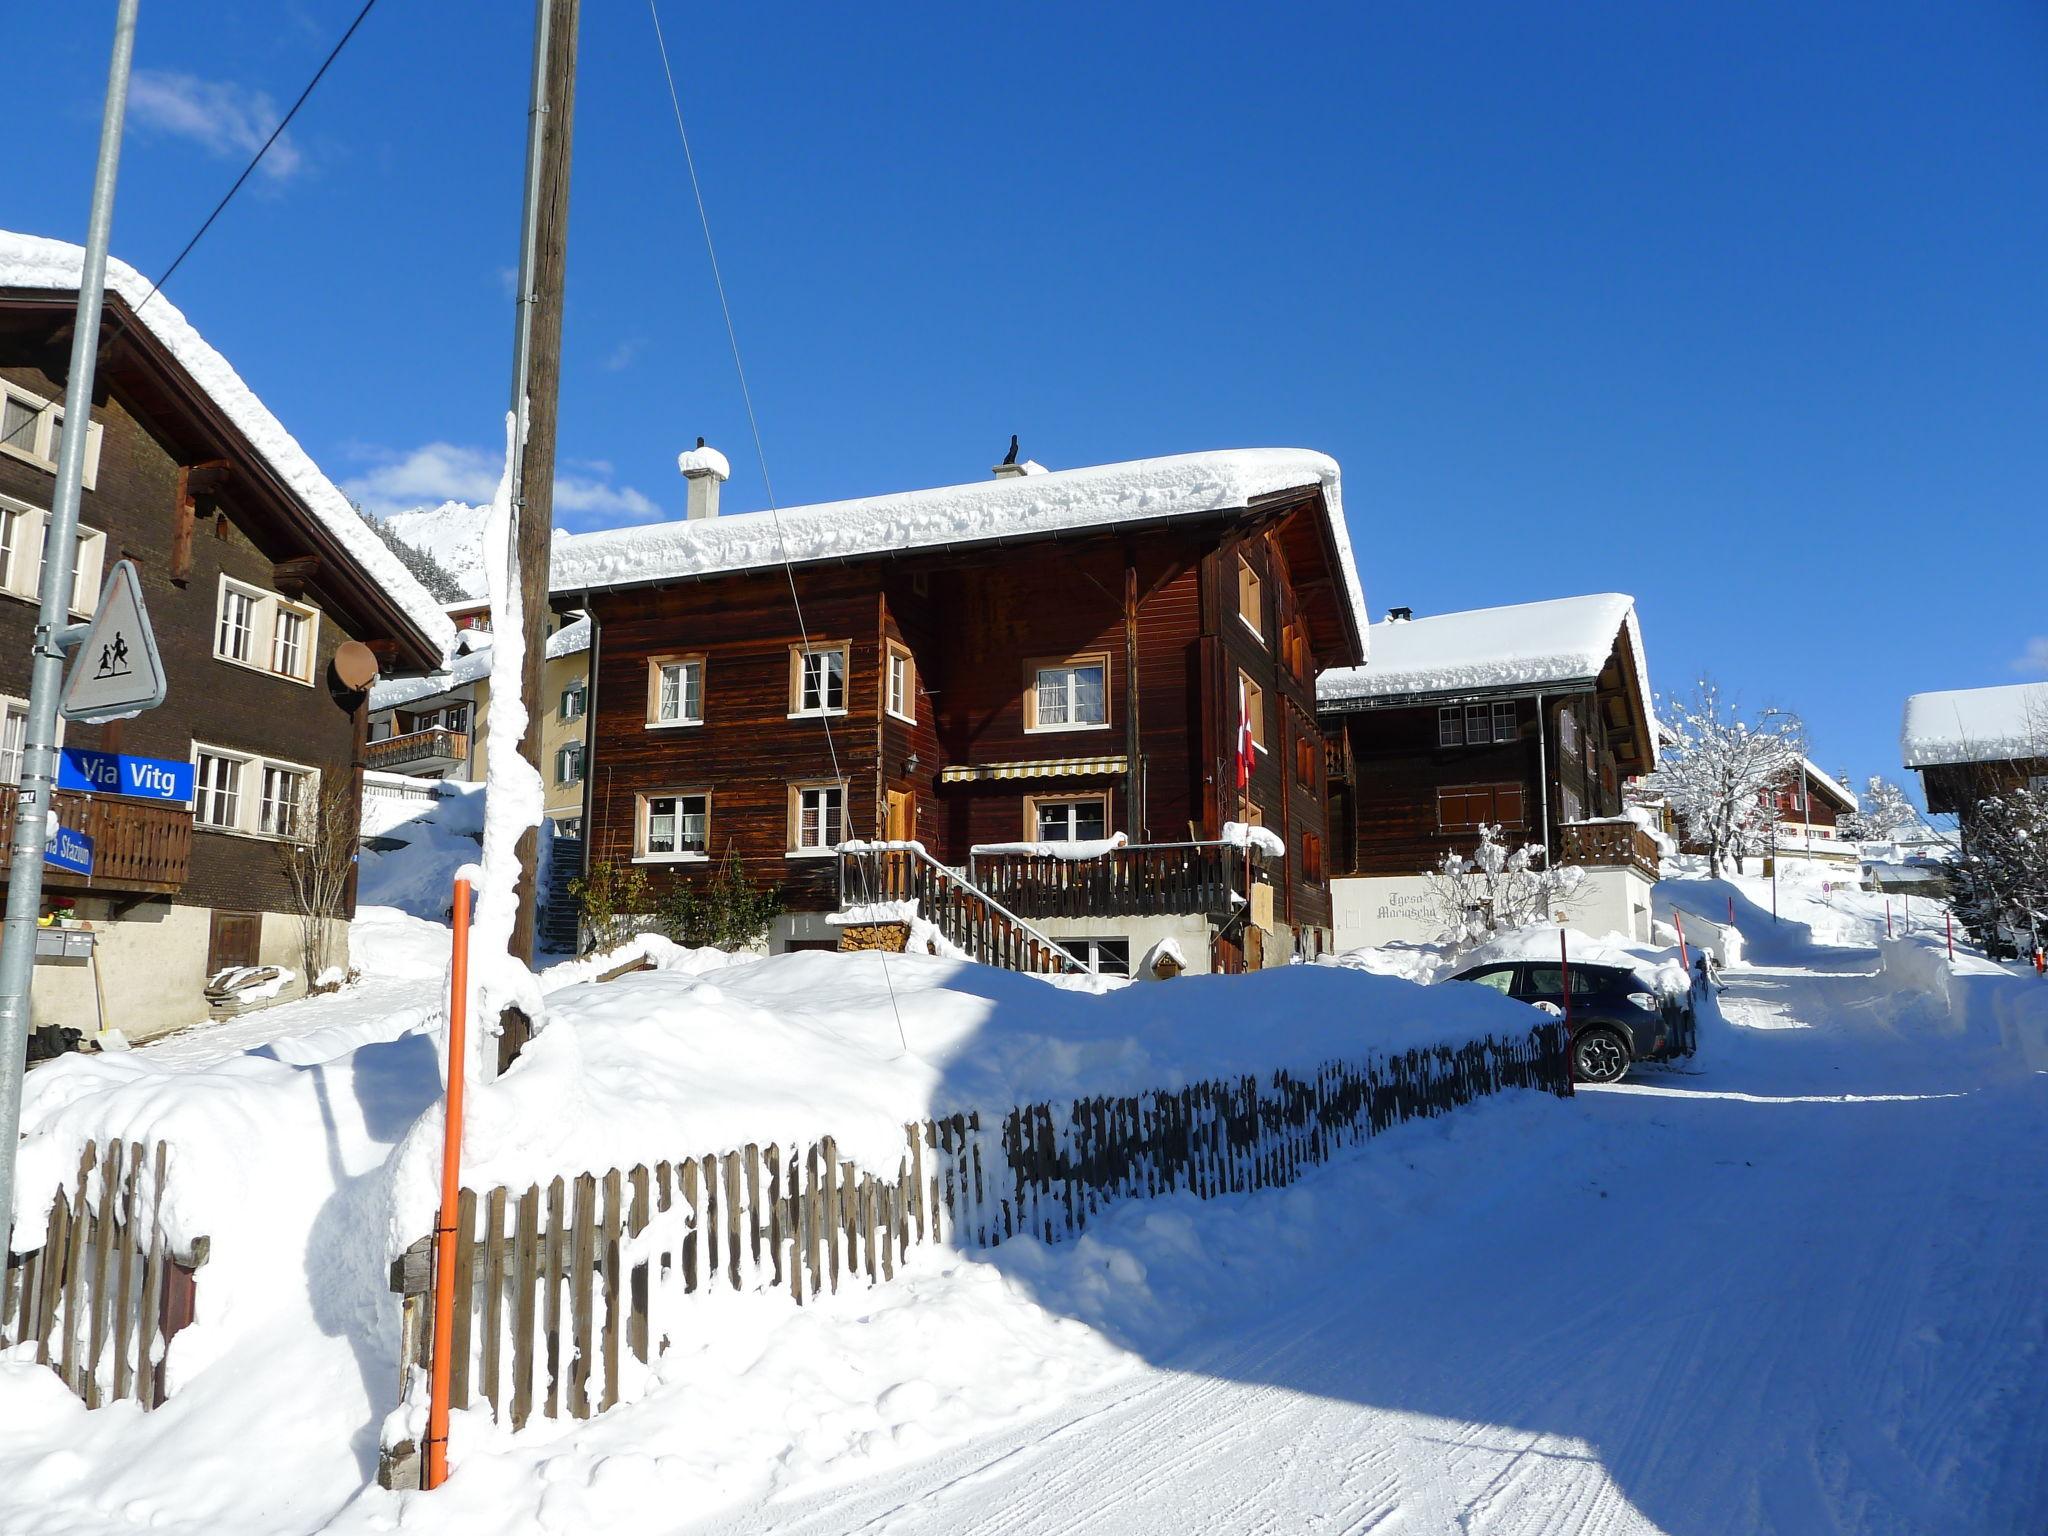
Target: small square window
[[675, 691], [675, 825], [818, 680], [819, 822], [902, 701]]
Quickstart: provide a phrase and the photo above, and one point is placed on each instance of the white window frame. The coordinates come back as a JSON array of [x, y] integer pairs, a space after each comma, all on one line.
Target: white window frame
[[656, 666], [798, 848], [800, 658], [643, 811], [1035, 804], [248, 821], [1496, 723], [1071, 667], [9, 703], [265, 607], [43, 445], [562, 755], [899, 664], [22, 579], [580, 692]]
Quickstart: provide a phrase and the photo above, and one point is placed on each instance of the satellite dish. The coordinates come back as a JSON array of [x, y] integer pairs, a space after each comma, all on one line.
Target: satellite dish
[[355, 664]]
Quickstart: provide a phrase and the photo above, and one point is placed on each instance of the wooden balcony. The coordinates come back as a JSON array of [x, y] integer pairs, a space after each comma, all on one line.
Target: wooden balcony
[[1144, 879], [1608, 843], [139, 846], [437, 748]]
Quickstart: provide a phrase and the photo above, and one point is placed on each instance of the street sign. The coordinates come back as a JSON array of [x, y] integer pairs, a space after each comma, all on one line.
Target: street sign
[[117, 773], [70, 850], [116, 672]]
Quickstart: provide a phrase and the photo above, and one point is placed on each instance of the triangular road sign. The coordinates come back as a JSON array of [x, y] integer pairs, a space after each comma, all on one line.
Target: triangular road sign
[[117, 671]]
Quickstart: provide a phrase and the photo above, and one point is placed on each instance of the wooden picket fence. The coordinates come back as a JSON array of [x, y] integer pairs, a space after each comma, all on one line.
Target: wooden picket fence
[[566, 1292], [104, 1294]]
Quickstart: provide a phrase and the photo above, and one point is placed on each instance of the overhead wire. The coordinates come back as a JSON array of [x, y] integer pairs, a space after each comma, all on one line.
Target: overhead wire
[[761, 454]]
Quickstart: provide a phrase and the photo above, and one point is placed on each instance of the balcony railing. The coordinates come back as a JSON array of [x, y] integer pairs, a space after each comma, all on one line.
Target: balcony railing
[[138, 845], [1609, 843], [1140, 879], [438, 745]]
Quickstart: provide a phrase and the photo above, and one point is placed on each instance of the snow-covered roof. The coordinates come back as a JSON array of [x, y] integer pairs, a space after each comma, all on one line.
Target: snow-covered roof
[[1833, 786], [1522, 645], [569, 639], [393, 693], [32, 262], [1013, 506], [1975, 725]]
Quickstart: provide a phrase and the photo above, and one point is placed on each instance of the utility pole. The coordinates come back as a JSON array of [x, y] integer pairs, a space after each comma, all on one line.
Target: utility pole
[[536, 385], [53, 630]]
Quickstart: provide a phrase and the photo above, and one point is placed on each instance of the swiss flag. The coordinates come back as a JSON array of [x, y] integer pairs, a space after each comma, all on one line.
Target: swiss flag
[[1244, 736]]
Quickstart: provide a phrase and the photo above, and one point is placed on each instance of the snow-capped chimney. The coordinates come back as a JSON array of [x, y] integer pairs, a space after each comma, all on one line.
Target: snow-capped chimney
[[705, 469], [1400, 615]]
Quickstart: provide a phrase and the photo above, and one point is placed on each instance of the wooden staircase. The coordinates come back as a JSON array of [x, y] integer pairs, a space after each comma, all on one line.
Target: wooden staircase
[[974, 922]]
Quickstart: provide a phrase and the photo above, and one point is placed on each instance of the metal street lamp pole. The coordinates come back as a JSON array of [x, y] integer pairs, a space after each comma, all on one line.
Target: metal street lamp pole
[[54, 631]]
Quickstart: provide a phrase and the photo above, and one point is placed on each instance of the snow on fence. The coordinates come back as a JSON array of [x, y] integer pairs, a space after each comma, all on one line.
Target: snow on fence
[[564, 1294], [104, 1294]]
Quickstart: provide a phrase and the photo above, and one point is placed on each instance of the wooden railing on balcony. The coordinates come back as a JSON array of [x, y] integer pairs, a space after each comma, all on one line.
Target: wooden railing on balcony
[[1609, 843], [1141, 879], [418, 747], [879, 875], [138, 845]]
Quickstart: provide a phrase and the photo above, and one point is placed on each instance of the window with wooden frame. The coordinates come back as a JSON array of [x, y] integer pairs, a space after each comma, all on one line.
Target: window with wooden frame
[[817, 679], [1254, 703], [671, 826], [1466, 807], [1066, 818], [1250, 597], [817, 818], [1067, 694], [32, 428], [265, 631], [900, 691], [675, 691], [251, 794], [1476, 725], [1305, 761]]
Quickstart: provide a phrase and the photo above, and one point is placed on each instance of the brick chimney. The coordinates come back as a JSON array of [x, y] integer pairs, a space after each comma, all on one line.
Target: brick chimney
[[704, 469]]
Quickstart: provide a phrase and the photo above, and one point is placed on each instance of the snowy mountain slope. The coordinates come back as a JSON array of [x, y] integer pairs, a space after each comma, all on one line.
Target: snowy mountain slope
[[453, 533]]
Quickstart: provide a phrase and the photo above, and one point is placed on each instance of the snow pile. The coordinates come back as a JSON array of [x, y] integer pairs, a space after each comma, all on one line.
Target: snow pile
[[1561, 640], [1240, 834], [1416, 962], [1975, 725], [1657, 969], [1075, 850], [410, 861], [1977, 996], [657, 951], [1142, 490], [31, 262]]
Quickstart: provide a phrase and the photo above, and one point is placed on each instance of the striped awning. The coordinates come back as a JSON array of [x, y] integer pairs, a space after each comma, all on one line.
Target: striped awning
[[1041, 768]]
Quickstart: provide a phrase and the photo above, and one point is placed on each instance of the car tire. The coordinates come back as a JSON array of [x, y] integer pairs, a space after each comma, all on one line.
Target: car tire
[[1599, 1056]]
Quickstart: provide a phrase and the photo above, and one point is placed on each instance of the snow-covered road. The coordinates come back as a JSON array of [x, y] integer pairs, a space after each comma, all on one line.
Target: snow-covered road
[[1795, 1290]]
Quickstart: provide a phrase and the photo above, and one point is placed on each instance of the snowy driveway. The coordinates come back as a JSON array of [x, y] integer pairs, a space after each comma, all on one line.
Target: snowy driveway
[[1796, 1290]]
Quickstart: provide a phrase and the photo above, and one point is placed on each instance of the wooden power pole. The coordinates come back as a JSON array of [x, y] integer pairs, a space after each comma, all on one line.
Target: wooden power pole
[[540, 319]]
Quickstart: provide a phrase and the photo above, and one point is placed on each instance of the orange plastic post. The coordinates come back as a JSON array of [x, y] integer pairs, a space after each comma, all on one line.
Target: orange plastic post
[[436, 1471], [1684, 958]]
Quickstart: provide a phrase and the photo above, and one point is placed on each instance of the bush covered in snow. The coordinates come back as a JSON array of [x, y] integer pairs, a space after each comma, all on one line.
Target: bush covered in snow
[[1496, 889]]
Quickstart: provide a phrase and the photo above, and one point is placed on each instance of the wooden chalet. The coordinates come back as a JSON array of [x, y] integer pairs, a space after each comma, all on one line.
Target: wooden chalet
[[1530, 718], [991, 678], [1971, 743], [256, 572]]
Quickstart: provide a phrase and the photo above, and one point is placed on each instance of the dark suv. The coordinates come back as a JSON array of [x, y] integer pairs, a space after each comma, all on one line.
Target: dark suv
[[1615, 1018]]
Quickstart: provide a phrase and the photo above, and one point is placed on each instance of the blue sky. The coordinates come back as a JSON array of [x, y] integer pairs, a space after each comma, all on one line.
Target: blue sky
[[1737, 308]]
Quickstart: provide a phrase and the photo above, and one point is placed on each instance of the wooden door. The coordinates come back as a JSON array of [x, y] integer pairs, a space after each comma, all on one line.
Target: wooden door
[[900, 827], [233, 939]]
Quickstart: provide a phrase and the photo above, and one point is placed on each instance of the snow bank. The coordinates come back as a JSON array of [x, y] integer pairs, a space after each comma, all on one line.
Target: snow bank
[[1074, 851], [1978, 996], [1974, 725], [1142, 490], [29, 261], [1240, 834], [412, 862]]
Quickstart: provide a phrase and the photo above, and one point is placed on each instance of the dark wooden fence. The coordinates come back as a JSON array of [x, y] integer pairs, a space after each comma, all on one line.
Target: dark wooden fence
[[565, 1292], [104, 1294], [1141, 879]]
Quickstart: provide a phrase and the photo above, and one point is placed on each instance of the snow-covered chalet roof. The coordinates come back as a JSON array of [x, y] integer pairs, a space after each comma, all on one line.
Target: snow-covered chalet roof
[[30, 262], [1016, 506], [569, 639], [1975, 725], [471, 667], [1557, 641], [1833, 786]]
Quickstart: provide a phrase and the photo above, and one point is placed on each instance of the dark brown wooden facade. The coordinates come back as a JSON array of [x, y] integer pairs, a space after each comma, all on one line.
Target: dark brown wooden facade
[[182, 493], [1401, 798], [1158, 609]]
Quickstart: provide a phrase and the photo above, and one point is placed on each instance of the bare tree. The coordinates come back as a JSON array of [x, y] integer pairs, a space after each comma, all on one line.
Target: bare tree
[[318, 852], [1721, 772], [1497, 889]]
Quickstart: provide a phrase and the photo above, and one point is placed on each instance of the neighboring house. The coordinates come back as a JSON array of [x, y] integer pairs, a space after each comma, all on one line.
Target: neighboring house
[[435, 727], [1530, 717], [1969, 743], [256, 572], [1810, 806], [1006, 674]]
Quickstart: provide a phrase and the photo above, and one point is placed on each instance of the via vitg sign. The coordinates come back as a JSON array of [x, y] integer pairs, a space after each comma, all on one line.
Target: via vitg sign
[[117, 773]]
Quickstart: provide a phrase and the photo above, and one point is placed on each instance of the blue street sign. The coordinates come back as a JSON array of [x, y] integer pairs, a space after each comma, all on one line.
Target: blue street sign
[[116, 773], [69, 850]]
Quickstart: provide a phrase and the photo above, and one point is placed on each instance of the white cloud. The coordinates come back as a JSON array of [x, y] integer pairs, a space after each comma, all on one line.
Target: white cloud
[[438, 472], [225, 119], [624, 354], [2035, 657]]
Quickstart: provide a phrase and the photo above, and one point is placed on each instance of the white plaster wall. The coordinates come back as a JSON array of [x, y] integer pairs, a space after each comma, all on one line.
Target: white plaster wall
[[1370, 910], [1189, 930], [1611, 899]]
